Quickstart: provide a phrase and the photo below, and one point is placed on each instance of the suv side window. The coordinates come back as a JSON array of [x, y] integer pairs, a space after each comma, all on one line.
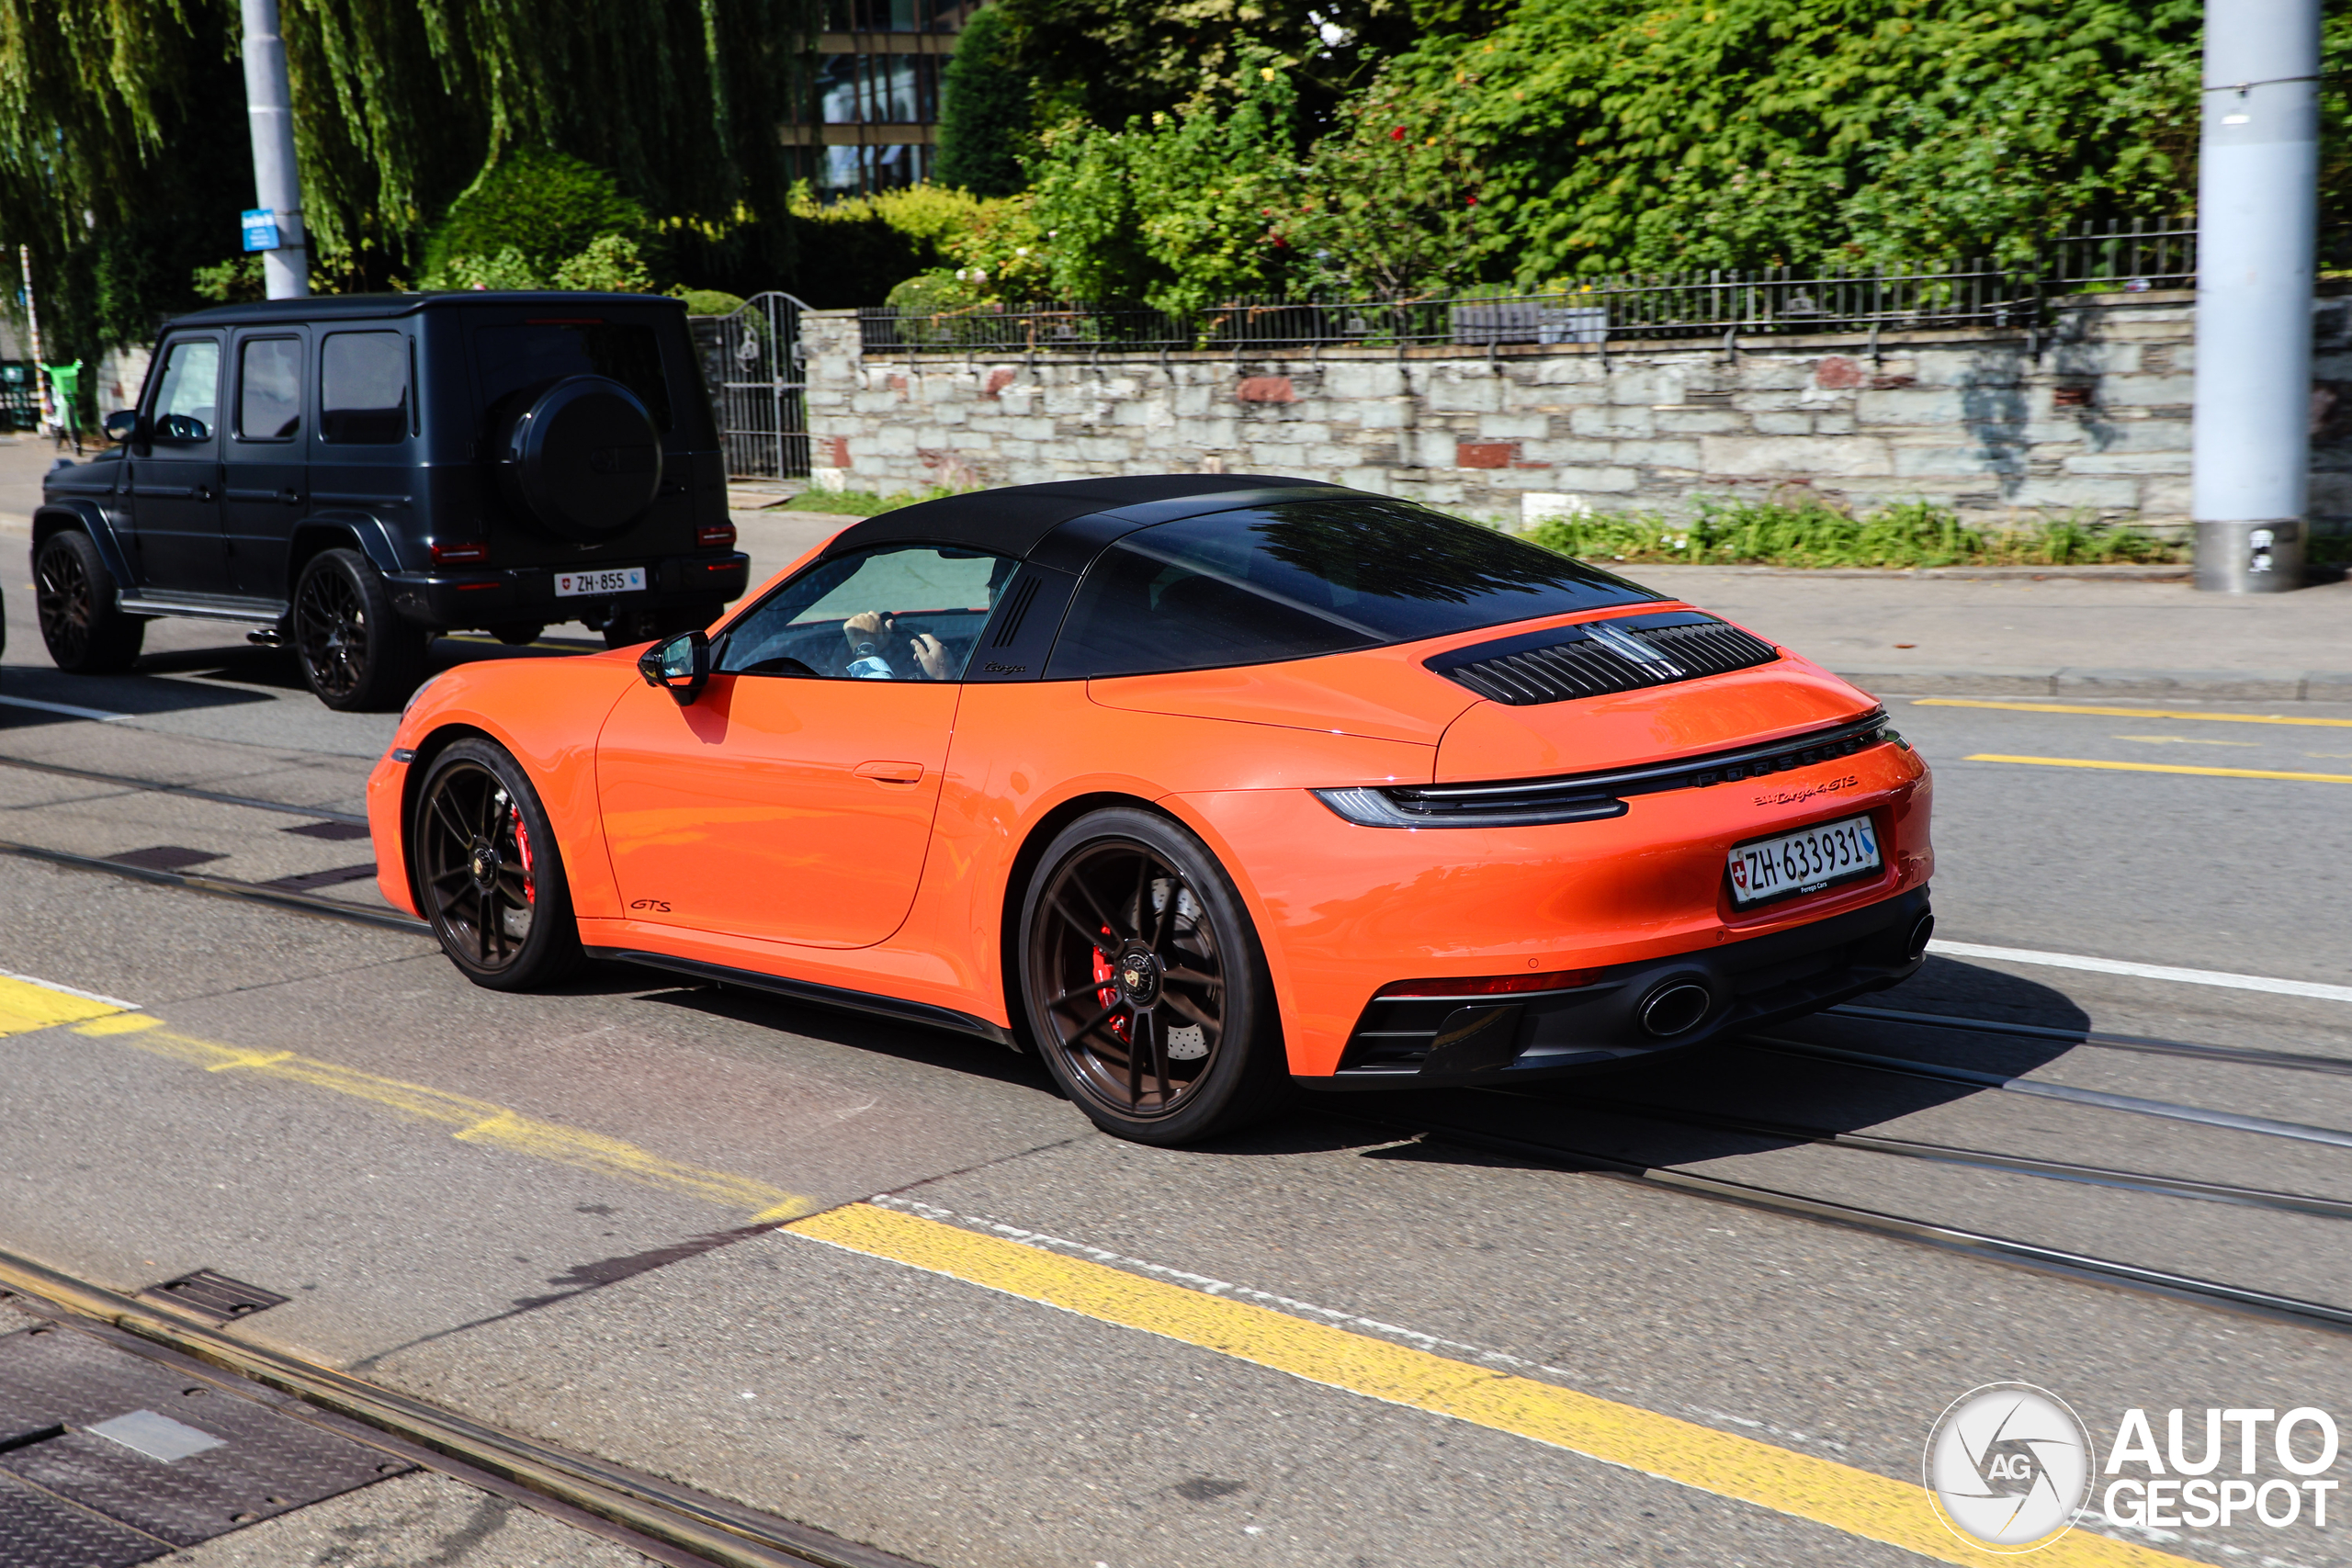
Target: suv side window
[[188, 393], [363, 388], [898, 613], [269, 388]]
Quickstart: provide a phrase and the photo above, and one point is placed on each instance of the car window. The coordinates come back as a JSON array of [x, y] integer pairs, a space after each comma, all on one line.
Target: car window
[[269, 388], [517, 360], [899, 613], [1302, 578], [188, 396], [363, 388]]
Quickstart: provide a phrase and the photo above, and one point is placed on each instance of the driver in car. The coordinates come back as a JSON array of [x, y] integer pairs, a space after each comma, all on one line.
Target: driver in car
[[874, 636]]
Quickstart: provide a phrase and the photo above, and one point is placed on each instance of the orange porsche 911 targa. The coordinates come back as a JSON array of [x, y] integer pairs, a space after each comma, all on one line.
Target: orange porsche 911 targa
[[1198, 786]]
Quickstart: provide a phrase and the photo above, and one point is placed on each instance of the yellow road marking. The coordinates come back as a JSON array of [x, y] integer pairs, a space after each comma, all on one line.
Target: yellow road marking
[[477, 1120], [27, 1004], [2162, 768], [2130, 713], [1855, 1501]]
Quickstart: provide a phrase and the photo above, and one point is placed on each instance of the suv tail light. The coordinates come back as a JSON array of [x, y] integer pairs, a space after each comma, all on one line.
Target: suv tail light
[[715, 536], [1489, 986], [459, 555]]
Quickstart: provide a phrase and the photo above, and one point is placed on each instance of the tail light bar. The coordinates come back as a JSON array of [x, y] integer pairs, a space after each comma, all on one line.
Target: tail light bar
[[715, 536], [459, 553]]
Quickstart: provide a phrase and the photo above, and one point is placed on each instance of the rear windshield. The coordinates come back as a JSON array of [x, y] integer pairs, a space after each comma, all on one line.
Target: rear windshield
[[1303, 577], [518, 360]]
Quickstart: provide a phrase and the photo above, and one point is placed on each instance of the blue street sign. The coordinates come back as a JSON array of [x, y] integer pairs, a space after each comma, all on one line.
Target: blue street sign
[[261, 229]]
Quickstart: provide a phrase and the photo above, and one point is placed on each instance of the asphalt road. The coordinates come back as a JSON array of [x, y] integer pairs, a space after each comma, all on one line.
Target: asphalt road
[[560, 1212]]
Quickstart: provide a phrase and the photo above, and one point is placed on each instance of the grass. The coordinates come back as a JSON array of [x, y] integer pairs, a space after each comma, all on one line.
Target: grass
[[1814, 533], [862, 502]]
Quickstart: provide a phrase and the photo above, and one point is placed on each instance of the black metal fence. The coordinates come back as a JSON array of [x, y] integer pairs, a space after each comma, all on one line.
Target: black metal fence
[[2120, 255]]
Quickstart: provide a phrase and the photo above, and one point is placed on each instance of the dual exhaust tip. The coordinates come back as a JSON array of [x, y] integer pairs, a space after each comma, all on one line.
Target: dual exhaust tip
[[1680, 1005]]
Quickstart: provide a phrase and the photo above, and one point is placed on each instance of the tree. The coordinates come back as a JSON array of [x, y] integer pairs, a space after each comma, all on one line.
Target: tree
[[1181, 212], [122, 139], [985, 116], [546, 206], [1107, 62], [1629, 135]]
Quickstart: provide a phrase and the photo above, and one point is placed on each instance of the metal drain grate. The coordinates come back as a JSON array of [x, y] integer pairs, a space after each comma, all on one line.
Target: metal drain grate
[[164, 857], [215, 1296], [100, 1423]]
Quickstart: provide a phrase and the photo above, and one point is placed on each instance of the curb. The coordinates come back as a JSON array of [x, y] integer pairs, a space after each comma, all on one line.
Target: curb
[[2015, 681]]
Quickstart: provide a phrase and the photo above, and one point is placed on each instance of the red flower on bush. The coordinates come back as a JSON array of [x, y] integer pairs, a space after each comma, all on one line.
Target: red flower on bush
[[1397, 134]]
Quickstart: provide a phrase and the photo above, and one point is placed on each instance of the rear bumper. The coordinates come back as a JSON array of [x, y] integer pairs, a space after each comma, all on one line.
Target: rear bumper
[[446, 600], [1424, 1040]]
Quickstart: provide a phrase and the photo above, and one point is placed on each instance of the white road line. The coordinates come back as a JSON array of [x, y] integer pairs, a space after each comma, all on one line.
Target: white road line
[[2145, 971], [68, 709]]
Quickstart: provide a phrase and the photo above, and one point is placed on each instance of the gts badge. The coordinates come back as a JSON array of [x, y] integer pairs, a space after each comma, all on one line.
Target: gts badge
[[649, 906]]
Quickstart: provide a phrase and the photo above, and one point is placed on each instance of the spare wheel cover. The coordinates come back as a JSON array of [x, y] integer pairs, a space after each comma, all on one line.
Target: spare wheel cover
[[585, 457]]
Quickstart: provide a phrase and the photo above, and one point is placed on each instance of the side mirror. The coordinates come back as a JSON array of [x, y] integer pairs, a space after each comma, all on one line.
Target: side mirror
[[121, 425], [681, 666]]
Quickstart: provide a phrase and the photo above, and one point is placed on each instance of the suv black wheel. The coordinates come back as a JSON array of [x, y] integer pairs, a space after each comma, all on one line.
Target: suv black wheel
[[73, 594], [1144, 984], [488, 872], [356, 651]]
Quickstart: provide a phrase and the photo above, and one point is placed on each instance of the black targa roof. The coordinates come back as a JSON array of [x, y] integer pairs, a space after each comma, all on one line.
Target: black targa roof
[[1013, 521]]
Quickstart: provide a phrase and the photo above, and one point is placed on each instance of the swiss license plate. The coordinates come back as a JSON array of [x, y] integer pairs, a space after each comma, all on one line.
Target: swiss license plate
[[617, 580], [1803, 862]]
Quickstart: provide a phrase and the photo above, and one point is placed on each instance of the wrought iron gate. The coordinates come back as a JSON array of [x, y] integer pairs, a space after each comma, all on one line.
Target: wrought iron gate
[[755, 365]]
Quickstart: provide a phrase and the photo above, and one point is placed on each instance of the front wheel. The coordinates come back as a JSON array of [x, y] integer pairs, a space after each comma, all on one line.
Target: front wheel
[[356, 651], [488, 872], [74, 595], [1144, 984]]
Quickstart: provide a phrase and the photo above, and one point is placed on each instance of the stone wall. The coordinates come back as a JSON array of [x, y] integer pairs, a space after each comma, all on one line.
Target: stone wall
[[2091, 417]]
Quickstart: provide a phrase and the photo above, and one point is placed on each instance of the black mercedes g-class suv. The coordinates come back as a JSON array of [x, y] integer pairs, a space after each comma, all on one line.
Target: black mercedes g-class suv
[[358, 473]]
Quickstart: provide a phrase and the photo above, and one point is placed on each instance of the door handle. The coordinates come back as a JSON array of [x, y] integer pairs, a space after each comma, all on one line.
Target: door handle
[[891, 773], [290, 497], [203, 493]]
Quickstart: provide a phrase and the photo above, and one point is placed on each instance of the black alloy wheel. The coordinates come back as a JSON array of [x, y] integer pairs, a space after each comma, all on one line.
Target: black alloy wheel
[[73, 596], [356, 651], [487, 872], [1144, 984]]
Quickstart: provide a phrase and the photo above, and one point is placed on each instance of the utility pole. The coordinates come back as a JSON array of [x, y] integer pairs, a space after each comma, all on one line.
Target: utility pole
[[2258, 199], [32, 326], [277, 182]]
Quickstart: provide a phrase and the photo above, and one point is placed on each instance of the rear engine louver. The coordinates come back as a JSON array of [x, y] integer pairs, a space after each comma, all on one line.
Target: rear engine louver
[[1600, 657]]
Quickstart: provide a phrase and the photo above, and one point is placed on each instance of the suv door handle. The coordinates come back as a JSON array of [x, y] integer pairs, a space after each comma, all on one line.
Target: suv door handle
[[891, 772], [290, 497], [202, 493]]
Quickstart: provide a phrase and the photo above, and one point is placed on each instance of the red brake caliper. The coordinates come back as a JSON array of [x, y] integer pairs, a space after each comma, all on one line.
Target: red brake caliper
[[1104, 971], [523, 847]]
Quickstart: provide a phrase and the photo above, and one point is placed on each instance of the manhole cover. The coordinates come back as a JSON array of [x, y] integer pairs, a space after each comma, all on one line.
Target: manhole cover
[[149, 1447], [40, 1531]]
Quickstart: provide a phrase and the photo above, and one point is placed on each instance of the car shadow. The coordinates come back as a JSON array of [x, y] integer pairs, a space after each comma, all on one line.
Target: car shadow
[[966, 1054], [1708, 1103], [1712, 1102]]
